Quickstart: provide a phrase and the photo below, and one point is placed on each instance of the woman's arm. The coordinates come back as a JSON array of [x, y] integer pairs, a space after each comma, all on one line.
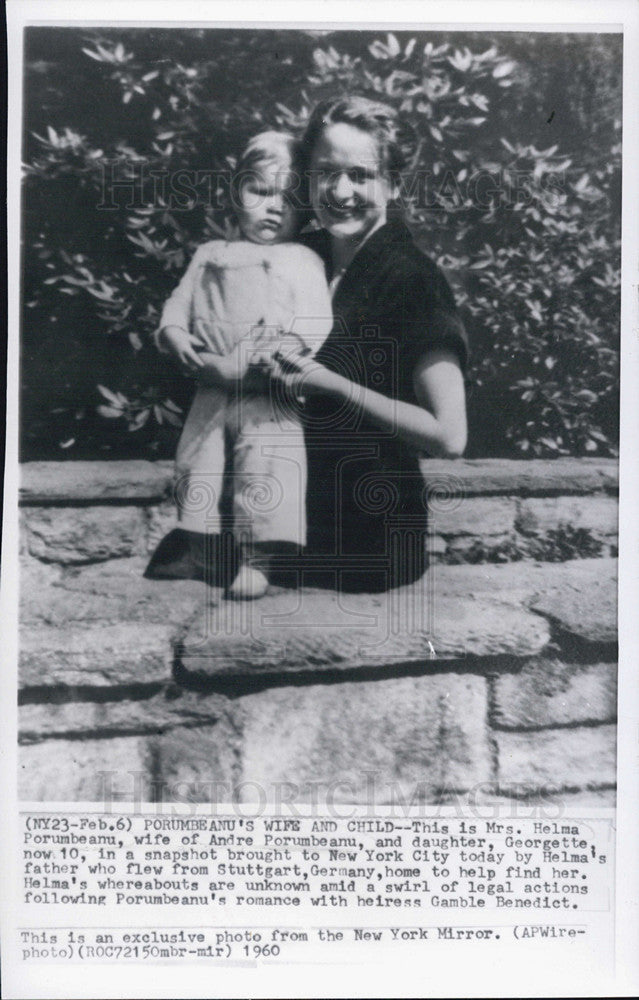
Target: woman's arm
[[231, 372], [436, 426]]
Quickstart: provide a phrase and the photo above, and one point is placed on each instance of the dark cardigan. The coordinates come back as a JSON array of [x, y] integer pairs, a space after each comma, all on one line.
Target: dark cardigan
[[366, 505]]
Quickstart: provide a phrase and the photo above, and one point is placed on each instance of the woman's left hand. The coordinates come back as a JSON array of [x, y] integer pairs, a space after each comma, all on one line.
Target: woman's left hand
[[301, 375]]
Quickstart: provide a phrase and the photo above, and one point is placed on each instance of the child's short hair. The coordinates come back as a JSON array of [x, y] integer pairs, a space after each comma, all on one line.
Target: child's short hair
[[280, 149]]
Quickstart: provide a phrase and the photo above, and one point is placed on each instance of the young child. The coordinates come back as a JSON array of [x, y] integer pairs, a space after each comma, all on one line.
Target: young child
[[238, 304]]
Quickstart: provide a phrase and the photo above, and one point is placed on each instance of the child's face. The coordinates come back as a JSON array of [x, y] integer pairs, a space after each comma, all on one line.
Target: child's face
[[265, 213], [350, 189]]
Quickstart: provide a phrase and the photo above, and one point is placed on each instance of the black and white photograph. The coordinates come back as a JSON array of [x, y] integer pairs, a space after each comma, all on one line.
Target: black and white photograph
[[319, 344]]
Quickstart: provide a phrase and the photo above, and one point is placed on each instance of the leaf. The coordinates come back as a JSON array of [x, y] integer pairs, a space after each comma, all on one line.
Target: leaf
[[170, 405], [461, 60], [394, 47], [109, 411], [377, 49], [139, 420], [504, 69], [552, 445], [111, 396], [480, 101], [408, 51], [171, 418], [93, 55]]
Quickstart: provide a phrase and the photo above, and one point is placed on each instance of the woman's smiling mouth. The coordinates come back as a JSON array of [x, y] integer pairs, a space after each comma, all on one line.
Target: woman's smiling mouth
[[343, 211]]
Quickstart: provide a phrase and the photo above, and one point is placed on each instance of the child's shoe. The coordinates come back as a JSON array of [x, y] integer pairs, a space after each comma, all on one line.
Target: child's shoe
[[249, 584]]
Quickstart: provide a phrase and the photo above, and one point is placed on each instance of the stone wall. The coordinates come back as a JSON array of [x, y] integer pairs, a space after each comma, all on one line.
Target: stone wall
[[495, 676]]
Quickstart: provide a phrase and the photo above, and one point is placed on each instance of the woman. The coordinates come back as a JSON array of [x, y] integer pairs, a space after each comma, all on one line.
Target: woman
[[387, 386]]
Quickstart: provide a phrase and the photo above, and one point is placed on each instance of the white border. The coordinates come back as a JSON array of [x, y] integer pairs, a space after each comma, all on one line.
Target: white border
[[473, 974]]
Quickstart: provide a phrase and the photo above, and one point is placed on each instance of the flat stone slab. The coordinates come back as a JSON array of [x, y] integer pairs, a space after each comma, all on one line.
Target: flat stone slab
[[112, 592], [315, 630], [579, 596], [96, 656], [52, 482], [456, 612], [525, 477]]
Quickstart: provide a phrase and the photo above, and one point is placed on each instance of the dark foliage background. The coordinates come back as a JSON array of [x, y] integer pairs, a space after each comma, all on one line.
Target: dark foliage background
[[514, 188]]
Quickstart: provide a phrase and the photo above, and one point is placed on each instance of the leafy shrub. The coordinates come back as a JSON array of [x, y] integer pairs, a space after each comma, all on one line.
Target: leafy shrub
[[513, 188]]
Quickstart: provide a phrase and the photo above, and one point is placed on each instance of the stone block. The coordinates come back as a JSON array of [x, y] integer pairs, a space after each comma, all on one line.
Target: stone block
[[311, 630], [597, 515], [99, 656], [83, 770], [523, 802], [477, 548], [150, 715], [354, 741], [52, 482], [548, 692], [437, 546], [36, 576], [198, 765], [161, 519], [580, 598], [84, 534], [475, 516], [557, 758]]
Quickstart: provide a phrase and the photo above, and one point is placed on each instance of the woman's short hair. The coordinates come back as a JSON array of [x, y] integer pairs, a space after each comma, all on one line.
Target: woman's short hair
[[378, 119]]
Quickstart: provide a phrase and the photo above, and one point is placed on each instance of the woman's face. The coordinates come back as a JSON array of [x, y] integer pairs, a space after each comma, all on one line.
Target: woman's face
[[350, 189]]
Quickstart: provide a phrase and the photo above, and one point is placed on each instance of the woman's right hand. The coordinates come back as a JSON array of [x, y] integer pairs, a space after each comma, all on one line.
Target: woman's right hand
[[182, 345]]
